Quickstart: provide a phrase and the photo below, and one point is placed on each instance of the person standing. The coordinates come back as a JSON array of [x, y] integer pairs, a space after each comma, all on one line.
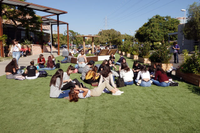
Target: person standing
[[176, 48], [15, 50]]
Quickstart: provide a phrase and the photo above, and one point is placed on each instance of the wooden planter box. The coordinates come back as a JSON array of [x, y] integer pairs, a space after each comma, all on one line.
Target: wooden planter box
[[189, 77], [123, 53], [144, 60], [135, 57], [94, 58], [165, 66], [128, 55]]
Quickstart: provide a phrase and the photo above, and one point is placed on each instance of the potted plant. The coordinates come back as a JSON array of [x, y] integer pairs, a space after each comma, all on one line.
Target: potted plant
[[190, 69], [128, 50], [144, 53], [135, 52], [162, 56]]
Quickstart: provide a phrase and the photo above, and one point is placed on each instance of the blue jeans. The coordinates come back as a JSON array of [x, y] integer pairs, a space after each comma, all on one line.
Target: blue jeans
[[176, 58], [41, 66], [144, 83], [47, 68], [162, 84], [64, 60], [16, 55], [64, 94], [128, 83], [117, 63]]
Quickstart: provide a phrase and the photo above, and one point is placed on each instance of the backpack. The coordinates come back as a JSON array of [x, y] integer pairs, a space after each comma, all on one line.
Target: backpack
[[120, 82], [43, 74], [57, 65]]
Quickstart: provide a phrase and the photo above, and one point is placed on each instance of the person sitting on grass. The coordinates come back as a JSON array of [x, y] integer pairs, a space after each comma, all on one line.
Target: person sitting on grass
[[67, 82], [50, 65], [161, 78], [127, 74], [41, 61], [81, 59], [120, 59], [145, 77], [88, 67], [105, 62], [79, 92], [92, 76], [56, 85], [106, 75], [11, 69], [136, 68], [112, 58], [111, 65], [31, 71], [123, 61]]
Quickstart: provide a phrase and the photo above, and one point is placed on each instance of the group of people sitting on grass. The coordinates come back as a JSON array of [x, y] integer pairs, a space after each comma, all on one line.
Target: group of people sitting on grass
[[61, 86], [13, 71]]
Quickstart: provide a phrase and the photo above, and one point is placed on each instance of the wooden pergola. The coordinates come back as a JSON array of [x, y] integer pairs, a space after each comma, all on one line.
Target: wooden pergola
[[34, 7], [90, 36]]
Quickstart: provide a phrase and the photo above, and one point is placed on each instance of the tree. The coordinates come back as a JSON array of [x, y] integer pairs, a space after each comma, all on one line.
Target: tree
[[73, 37], [109, 37], [21, 17], [192, 27], [157, 29]]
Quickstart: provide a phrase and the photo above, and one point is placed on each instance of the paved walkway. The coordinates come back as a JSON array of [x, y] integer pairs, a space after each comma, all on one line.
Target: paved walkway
[[24, 61]]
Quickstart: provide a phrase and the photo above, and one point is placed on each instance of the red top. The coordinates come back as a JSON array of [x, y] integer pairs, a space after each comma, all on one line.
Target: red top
[[42, 60], [161, 77], [23, 49]]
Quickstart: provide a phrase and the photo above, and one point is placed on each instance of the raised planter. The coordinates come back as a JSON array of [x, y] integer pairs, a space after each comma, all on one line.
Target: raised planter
[[165, 66], [128, 55], [123, 53], [189, 77], [119, 52], [135, 57], [144, 60], [94, 58]]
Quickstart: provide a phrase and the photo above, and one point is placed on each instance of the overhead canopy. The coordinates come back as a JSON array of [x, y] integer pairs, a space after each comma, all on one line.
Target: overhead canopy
[[33, 6], [47, 21]]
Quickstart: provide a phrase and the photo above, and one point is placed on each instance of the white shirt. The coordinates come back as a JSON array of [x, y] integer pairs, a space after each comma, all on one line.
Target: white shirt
[[15, 48], [80, 95], [127, 75], [54, 90], [143, 75]]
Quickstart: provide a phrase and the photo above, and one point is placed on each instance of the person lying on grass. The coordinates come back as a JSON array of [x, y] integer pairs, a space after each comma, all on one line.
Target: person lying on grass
[[79, 92]]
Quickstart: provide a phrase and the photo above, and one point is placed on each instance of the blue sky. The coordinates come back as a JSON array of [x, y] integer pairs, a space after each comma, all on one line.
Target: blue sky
[[126, 16]]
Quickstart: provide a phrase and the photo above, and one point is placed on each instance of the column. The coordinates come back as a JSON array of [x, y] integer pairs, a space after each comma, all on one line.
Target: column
[[93, 45], [58, 34], [84, 44]]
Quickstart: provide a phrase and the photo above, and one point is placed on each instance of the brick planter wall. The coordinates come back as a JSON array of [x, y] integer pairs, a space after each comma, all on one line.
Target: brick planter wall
[[144, 60], [165, 66]]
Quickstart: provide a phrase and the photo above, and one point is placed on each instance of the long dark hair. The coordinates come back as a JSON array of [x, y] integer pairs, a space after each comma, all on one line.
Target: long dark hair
[[50, 62], [58, 74], [94, 69], [106, 71], [70, 68], [104, 62], [73, 97], [159, 68], [13, 63], [135, 62], [143, 68], [125, 67]]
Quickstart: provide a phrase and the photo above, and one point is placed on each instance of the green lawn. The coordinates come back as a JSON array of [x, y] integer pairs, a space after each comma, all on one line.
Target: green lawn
[[25, 107]]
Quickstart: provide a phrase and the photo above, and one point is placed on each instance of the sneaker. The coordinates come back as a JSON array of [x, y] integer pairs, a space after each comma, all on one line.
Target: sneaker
[[116, 93], [121, 91]]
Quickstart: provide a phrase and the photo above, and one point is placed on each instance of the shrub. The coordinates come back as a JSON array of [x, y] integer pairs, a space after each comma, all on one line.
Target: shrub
[[191, 63], [135, 49], [161, 55]]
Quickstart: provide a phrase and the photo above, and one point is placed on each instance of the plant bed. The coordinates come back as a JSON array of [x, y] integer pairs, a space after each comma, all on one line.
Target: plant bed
[[144, 60], [94, 58], [189, 77], [165, 66]]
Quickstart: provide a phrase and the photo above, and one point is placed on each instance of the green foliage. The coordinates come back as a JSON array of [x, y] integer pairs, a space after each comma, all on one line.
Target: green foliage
[[191, 63], [89, 54], [192, 27], [3, 38], [135, 49], [161, 55], [157, 29], [26, 42], [144, 50], [22, 17], [110, 36]]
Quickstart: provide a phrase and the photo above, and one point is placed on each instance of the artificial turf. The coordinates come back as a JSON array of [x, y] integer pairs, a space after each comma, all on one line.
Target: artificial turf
[[25, 107]]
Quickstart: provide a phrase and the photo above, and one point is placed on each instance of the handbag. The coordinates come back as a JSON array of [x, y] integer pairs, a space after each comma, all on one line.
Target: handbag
[[120, 82]]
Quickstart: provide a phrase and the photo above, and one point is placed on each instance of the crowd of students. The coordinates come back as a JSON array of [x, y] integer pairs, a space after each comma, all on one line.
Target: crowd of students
[[13, 71], [61, 86]]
